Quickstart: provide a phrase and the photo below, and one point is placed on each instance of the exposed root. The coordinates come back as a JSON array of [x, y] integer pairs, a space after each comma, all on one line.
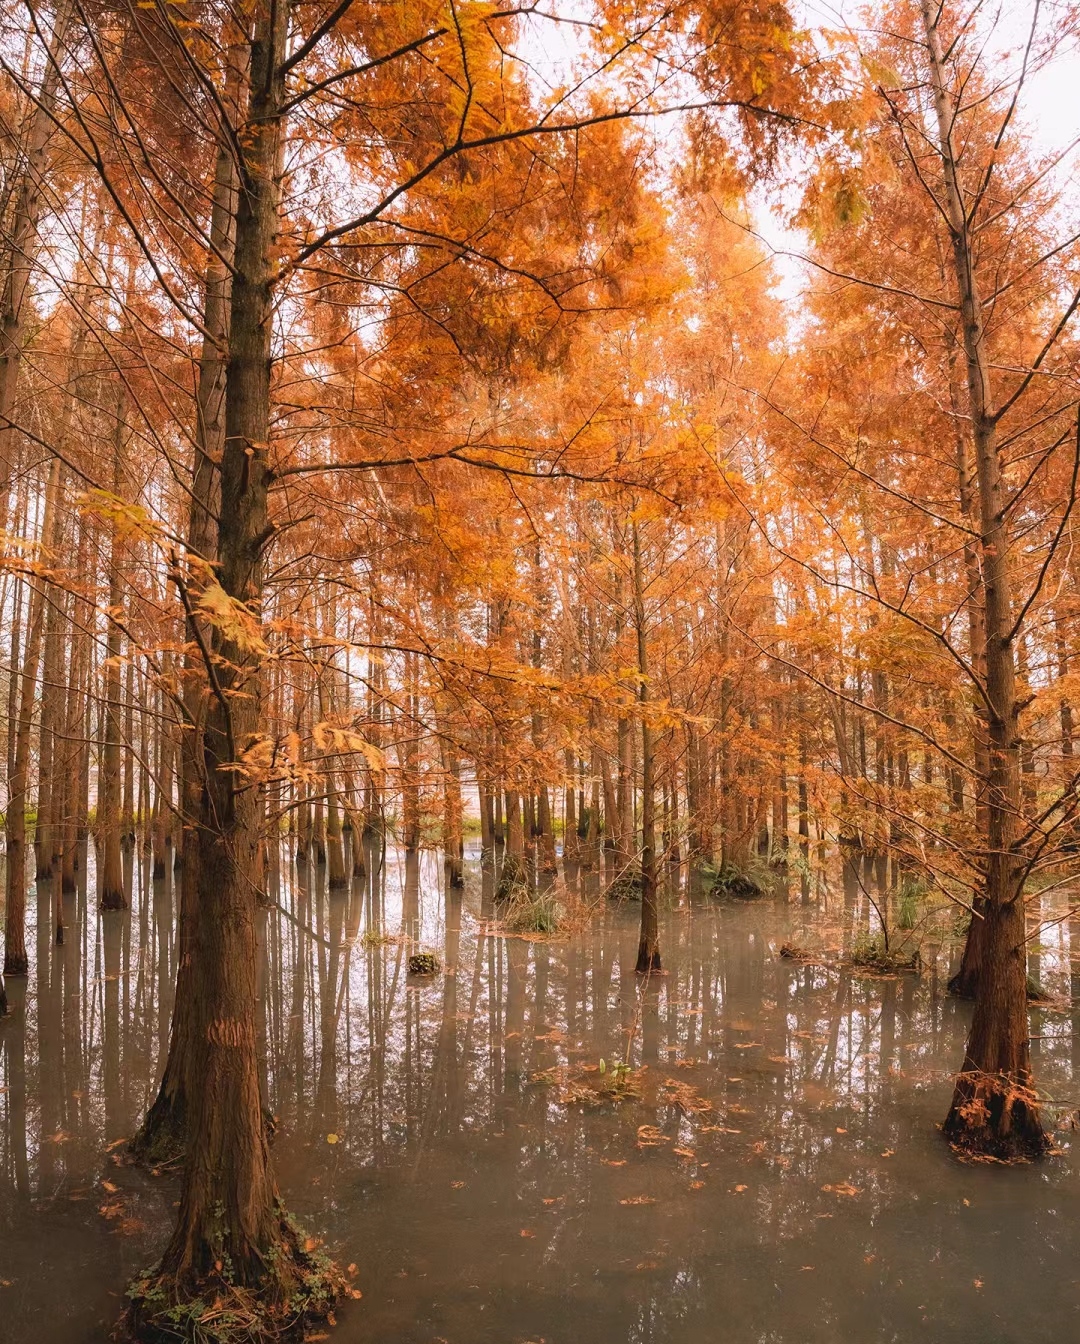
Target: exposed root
[[994, 1118], [300, 1285]]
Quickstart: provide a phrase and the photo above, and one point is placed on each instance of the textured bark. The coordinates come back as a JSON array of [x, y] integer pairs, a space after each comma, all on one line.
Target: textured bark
[[164, 1129], [230, 1214], [20, 247], [994, 1109]]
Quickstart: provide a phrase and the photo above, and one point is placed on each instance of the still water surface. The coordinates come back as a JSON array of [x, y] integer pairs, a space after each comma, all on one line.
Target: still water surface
[[773, 1176]]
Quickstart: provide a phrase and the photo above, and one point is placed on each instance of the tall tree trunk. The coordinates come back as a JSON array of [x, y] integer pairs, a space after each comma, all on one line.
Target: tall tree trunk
[[230, 1213], [648, 957], [994, 1109], [163, 1132], [110, 863], [21, 245], [15, 961]]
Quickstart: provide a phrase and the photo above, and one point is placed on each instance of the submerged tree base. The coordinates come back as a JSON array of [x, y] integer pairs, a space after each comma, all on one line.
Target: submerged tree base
[[162, 1137], [300, 1285], [993, 1117], [648, 962], [963, 986]]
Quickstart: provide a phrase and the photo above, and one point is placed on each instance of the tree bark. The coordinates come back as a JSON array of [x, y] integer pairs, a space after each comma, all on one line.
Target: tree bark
[[15, 960], [994, 1110], [648, 957], [231, 1230]]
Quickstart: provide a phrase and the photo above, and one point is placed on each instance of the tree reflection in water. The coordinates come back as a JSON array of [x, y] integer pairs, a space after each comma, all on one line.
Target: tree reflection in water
[[795, 1189]]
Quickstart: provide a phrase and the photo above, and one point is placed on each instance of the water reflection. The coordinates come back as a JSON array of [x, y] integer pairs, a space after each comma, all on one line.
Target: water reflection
[[776, 1167]]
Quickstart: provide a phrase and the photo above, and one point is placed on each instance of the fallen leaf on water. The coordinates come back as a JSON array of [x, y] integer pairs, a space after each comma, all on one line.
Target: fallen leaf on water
[[977, 1282], [740, 1188], [647, 1264], [331, 1138], [840, 1131], [697, 1185], [638, 1199], [648, 1136], [748, 1045], [526, 1232], [842, 1188], [555, 1200], [456, 1185], [888, 1152], [806, 1266], [619, 1162], [684, 1152], [351, 1270], [108, 1185]]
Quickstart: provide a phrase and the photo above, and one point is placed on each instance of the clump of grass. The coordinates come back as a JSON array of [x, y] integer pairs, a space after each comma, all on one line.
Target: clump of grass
[[743, 883], [540, 914], [872, 953], [375, 938], [909, 896], [513, 883]]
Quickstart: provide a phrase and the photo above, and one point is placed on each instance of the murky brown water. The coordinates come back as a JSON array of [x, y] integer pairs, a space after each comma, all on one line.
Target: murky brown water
[[775, 1175]]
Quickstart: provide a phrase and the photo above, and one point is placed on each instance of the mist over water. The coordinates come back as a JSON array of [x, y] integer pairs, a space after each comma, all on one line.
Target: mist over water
[[772, 1173]]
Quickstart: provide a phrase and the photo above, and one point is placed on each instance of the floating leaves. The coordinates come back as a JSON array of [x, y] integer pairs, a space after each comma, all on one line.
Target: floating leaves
[[843, 1188]]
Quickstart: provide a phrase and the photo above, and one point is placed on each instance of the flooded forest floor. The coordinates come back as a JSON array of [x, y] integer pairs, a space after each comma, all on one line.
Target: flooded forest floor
[[534, 1145]]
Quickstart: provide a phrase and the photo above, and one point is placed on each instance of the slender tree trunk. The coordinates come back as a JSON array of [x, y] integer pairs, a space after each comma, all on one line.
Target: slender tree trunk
[[110, 863], [15, 960], [21, 245], [994, 1109], [648, 957]]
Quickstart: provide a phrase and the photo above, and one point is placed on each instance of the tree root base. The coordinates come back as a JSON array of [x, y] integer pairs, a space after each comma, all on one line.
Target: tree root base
[[648, 964], [967, 988], [996, 1120], [301, 1287], [161, 1139]]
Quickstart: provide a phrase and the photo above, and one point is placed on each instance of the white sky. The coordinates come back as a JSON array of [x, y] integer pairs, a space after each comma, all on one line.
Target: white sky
[[1049, 110]]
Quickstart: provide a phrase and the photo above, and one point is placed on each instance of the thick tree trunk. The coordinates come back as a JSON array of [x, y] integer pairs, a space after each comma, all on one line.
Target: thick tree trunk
[[232, 1235], [163, 1132]]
